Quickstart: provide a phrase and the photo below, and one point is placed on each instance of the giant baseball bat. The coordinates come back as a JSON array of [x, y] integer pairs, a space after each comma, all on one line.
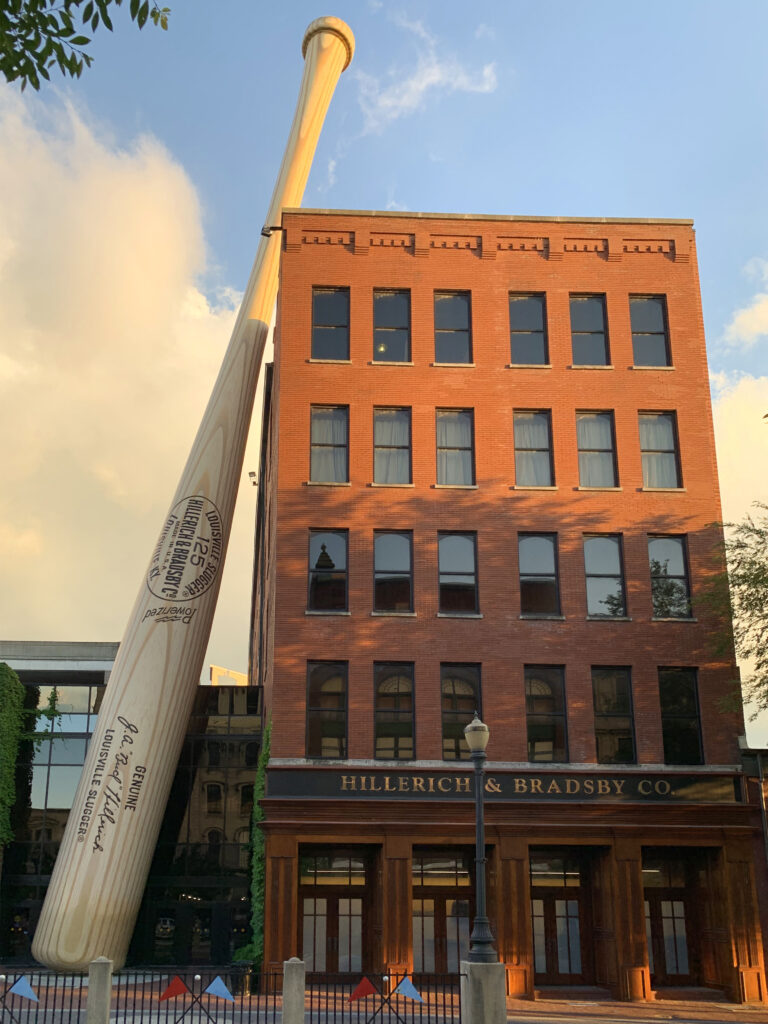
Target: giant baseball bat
[[101, 870]]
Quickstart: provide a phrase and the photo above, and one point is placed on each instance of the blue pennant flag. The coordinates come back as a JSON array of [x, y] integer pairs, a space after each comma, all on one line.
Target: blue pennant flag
[[22, 988], [407, 990], [219, 989]]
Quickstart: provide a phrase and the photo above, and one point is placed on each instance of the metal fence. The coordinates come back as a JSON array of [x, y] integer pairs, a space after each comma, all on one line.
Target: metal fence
[[166, 995], [382, 999], [37, 995]]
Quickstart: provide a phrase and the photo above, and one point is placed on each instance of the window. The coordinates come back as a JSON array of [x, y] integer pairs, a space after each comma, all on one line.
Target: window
[[527, 329], [597, 451], [614, 725], [650, 341], [533, 449], [658, 443], [329, 444], [327, 709], [392, 446], [391, 327], [393, 715], [453, 332], [670, 590], [545, 712], [392, 572], [588, 333], [539, 591], [680, 716], [458, 574], [455, 448], [213, 798], [460, 689], [605, 577], [327, 571], [330, 323]]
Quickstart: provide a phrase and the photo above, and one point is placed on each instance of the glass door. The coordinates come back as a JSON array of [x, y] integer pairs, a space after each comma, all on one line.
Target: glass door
[[559, 912]]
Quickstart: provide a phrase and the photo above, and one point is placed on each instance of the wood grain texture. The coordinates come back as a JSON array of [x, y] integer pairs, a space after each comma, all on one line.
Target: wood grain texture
[[100, 873]]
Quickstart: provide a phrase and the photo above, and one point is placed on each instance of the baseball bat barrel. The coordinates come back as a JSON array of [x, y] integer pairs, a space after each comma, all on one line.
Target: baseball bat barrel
[[101, 870]]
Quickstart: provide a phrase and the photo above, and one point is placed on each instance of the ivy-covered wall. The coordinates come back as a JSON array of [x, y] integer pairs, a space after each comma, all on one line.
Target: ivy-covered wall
[[254, 951], [11, 729]]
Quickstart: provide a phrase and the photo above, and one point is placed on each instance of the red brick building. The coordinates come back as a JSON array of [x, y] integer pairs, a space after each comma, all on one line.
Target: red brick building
[[488, 482]]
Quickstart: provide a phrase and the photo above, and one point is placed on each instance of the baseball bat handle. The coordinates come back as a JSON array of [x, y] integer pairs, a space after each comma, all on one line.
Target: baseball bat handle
[[103, 862]]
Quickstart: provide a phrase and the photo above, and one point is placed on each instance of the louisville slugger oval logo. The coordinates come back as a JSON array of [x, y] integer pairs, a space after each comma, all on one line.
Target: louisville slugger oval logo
[[188, 555]]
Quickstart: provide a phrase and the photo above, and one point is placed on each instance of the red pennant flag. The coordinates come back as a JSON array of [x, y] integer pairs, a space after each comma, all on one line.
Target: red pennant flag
[[365, 988], [176, 988]]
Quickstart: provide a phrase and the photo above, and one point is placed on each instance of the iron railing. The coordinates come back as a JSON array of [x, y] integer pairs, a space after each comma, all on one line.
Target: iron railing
[[168, 995], [383, 999], [29, 996]]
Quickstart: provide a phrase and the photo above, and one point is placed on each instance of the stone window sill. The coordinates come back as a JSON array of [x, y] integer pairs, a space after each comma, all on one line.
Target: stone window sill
[[542, 618], [591, 366], [327, 483], [310, 611], [665, 368], [598, 488], [663, 490], [390, 362], [528, 366], [533, 487], [374, 484], [455, 487], [459, 365], [459, 615], [396, 615], [673, 618], [608, 618], [347, 362]]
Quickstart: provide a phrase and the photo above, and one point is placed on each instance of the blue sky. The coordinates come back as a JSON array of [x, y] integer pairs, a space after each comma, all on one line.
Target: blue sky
[[131, 203]]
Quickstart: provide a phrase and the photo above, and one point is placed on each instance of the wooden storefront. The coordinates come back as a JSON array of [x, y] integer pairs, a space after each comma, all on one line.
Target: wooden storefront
[[631, 881]]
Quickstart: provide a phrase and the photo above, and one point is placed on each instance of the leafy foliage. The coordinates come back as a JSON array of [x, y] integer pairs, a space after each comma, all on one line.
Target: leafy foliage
[[254, 951], [37, 35], [11, 729], [670, 596], [743, 593]]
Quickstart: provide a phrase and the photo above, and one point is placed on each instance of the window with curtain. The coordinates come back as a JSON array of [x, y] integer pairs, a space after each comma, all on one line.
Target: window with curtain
[[539, 589], [658, 444], [393, 710], [327, 571], [460, 690], [528, 330], [457, 559], [650, 338], [455, 448], [589, 336], [597, 450], [327, 709], [392, 446], [545, 713], [670, 587], [329, 444], [330, 323], [391, 326], [392, 571], [453, 327], [533, 448], [604, 576], [614, 719], [680, 725]]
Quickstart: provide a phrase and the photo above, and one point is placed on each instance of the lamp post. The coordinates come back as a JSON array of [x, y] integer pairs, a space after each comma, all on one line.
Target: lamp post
[[481, 949]]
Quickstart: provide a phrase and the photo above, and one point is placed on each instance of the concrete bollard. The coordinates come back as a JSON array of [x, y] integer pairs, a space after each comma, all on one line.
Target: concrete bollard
[[294, 981], [99, 991], [483, 993]]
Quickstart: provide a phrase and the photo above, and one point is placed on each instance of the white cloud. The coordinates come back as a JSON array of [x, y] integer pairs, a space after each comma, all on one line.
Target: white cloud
[[484, 31], [108, 351], [749, 324], [741, 436], [394, 205], [406, 93]]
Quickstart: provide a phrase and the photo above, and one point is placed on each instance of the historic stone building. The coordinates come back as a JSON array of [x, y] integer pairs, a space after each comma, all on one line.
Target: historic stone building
[[488, 482]]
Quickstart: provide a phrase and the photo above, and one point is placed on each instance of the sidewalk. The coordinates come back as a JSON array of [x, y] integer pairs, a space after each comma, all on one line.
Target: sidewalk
[[658, 1010]]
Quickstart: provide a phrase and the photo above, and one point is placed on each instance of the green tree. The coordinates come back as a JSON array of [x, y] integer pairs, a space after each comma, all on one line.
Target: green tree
[[37, 35], [743, 593], [11, 729]]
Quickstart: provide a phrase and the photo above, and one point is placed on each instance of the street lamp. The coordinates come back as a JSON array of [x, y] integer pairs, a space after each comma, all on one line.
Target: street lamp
[[481, 949]]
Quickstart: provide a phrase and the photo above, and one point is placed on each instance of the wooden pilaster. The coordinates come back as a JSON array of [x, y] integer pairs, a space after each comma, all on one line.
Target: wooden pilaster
[[396, 904], [747, 980], [513, 915], [634, 977], [281, 902]]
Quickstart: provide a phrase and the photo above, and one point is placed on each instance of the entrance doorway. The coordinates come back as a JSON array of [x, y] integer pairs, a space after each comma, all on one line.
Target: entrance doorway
[[334, 904], [561, 918], [443, 908], [669, 919]]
